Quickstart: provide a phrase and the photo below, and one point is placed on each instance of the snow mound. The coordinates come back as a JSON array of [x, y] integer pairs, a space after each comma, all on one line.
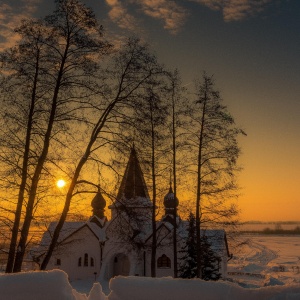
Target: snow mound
[[253, 268], [137, 288], [96, 293], [271, 281], [37, 285], [54, 285]]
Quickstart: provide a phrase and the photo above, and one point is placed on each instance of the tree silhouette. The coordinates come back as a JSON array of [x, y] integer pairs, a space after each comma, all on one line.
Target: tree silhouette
[[56, 56], [209, 259], [214, 152]]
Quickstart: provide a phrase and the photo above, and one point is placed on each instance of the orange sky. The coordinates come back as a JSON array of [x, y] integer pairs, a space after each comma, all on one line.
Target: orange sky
[[253, 52], [271, 175]]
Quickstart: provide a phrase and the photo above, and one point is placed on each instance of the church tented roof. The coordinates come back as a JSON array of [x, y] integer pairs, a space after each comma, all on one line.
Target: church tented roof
[[133, 184]]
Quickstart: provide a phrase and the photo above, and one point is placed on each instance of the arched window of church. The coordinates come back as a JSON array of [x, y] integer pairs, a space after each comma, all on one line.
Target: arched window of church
[[79, 262], [86, 260], [58, 262], [92, 262], [163, 262]]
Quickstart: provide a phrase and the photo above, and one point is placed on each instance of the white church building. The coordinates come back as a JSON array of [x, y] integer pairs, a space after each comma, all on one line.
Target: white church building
[[102, 248]]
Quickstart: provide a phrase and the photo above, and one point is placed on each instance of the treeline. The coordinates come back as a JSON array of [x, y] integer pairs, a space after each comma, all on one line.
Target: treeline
[[275, 231], [268, 230]]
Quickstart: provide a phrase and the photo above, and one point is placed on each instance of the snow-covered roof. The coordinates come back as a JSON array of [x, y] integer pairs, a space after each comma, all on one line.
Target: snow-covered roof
[[67, 230], [99, 232], [216, 237]]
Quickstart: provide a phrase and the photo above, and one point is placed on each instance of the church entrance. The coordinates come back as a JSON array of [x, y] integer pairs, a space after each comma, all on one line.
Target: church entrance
[[121, 265]]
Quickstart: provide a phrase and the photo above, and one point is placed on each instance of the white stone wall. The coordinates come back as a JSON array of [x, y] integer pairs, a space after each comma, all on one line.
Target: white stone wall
[[75, 246]]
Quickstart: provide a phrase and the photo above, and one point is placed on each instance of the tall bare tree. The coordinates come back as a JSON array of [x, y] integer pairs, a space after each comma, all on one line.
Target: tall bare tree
[[214, 138], [177, 101], [150, 137], [132, 67], [25, 61]]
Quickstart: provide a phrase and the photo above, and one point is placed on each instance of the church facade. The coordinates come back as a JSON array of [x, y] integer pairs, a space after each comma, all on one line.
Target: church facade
[[102, 248]]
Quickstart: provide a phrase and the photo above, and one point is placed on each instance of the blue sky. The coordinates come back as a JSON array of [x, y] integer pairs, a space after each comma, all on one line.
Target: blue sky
[[251, 46]]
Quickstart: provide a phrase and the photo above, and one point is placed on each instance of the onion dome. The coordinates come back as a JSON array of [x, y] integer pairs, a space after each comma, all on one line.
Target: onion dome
[[170, 202], [98, 205]]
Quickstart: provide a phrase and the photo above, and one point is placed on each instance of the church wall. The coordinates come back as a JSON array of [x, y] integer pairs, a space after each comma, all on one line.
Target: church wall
[[169, 271], [120, 259], [160, 271], [223, 264], [223, 270], [135, 263], [164, 271], [223, 255], [82, 244]]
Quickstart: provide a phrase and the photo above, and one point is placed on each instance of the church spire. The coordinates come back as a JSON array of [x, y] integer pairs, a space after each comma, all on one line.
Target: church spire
[[133, 184]]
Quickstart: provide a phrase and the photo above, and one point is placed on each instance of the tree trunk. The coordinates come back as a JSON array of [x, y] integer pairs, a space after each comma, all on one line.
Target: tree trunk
[[98, 127], [15, 229], [64, 214], [154, 242], [38, 170], [199, 185], [175, 184]]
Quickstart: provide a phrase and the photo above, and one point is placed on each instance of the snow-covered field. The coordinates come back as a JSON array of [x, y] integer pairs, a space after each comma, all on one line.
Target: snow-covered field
[[267, 260], [267, 268]]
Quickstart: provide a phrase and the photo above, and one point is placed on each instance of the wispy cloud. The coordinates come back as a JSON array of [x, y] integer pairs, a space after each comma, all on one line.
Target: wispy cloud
[[236, 10], [119, 14], [170, 12], [173, 14], [10, 17]]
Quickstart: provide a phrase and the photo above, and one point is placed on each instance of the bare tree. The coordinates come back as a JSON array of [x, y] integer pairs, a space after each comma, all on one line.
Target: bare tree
[[132, 67], [25, 61], [56, 56], [150, 138], [177, 99], [213, 137]]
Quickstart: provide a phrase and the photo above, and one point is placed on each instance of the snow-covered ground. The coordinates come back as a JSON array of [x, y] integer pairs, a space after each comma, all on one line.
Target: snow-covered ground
[[54, 285], [267, 260], [267, 268]]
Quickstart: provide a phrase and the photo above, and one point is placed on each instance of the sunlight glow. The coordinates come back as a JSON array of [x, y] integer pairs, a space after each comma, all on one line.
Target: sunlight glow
[[60, 183]]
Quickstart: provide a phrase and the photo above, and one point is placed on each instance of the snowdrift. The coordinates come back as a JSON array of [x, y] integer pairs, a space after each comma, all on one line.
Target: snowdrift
[[36, 285], [54, 285], [50, 285], [139, 288]]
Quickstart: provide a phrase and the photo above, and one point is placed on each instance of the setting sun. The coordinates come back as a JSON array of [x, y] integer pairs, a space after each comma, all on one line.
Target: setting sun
[[60, 183]]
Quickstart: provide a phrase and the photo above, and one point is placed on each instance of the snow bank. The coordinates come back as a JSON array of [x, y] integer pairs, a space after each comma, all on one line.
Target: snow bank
[[253, 268], [139, 288], [54, 285], [38, 285], [96, 293], [271, 281]]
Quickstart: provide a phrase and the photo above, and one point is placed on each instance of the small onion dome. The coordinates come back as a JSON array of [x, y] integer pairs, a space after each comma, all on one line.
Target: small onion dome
[[98, 202], [169, 200]]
